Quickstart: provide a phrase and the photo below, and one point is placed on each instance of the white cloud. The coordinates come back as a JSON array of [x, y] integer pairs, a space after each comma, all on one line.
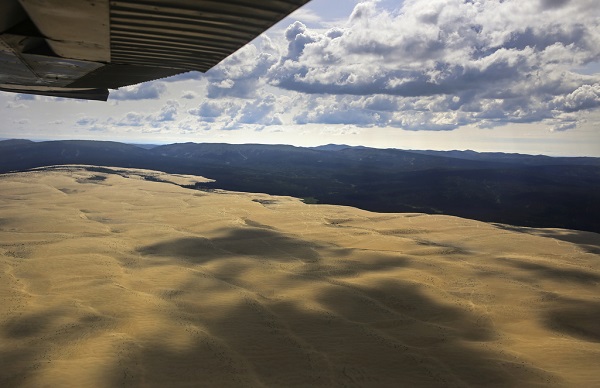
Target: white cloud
[[15, 105], [168, 112], [431, 65], [584, 97], [306, 15], [189, 95], [25, 97], [86, 121], [475, 53], [216, 111], [144, 91], [131, 119], [260, 112], [242, 74]]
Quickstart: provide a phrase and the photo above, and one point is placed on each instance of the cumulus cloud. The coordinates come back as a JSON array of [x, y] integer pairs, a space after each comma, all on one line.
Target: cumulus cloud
[[212, 111], [131, 119], [15, 105], [428, 65], [242, 74], [144, 91], [189, 95], [488, 62], [86, 121], [584, 97], [342, 110], [17, 101], [25, 97], [306, 15], [92, 124], [231, 114], [548, 4], [190, 75], [168, 112], [260, 112], [207, 109]]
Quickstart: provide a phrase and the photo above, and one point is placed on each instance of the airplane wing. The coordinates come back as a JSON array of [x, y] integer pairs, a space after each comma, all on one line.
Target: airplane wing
[[82, 48]]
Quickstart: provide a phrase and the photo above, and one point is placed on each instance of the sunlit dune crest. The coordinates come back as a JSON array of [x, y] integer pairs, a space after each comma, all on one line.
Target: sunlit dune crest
[[116, 277]]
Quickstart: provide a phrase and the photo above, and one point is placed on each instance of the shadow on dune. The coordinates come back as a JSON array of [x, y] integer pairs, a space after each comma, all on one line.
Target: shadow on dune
[[384, 336], [576, 318], [17, 365], [258, 242], [318, 329], [30, 325], [374, 262], [41, 335], [387, 333], [404, 302], [588, 241], [269, 244], [559, 274]]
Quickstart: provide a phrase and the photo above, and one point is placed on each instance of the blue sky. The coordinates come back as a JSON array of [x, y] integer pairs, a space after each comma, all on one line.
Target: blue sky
[[513, 76]]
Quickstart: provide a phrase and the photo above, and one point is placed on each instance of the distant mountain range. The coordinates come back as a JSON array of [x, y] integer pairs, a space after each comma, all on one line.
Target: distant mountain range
[[527, 190]]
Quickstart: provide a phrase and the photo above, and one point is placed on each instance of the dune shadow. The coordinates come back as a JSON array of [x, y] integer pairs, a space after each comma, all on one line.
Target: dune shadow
[[328, 332], [396, 301], [577, 318], [317, 329], [255, 242], [587, 241], [377, 336], [256, 224], [66, 190], [17, 365], [344, 267], [30, 324], [41, 335], [558, 274], [92, 179], [446, 249]]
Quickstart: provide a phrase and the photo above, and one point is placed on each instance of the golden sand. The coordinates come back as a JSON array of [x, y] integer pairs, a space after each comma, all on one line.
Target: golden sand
[[111, 280]]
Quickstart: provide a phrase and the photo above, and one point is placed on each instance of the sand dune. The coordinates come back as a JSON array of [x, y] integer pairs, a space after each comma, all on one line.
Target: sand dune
[[107, 280]]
